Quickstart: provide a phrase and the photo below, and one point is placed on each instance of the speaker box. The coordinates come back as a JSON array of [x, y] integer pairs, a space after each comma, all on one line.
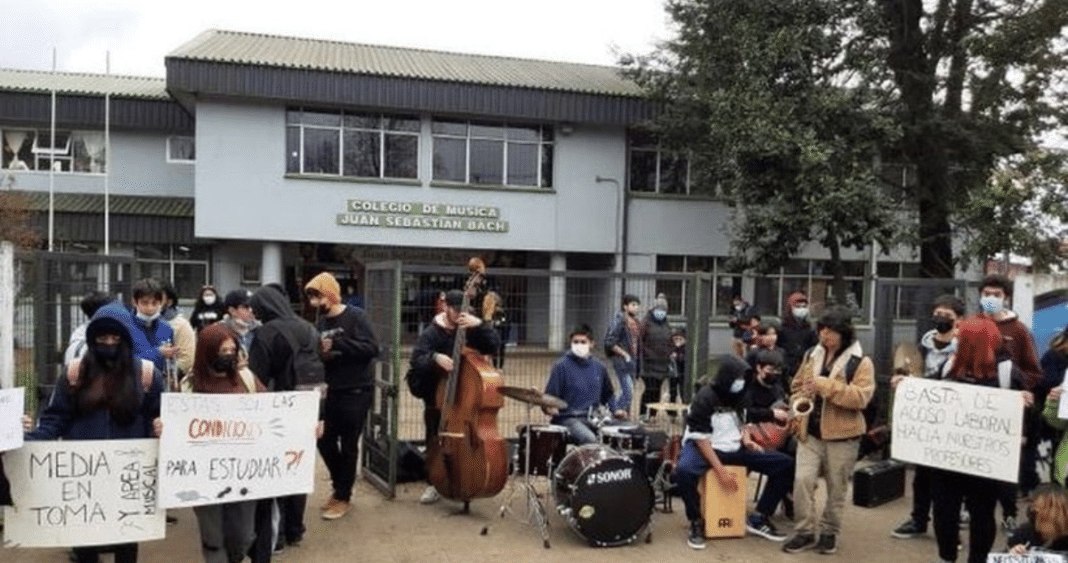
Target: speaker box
[[879, 483]]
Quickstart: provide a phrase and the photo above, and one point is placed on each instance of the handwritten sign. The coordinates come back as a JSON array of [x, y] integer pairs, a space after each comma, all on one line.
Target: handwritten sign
[[1030, 557], [11, 409], [970, 429], [226, 448], [83, 492], [1062, 406]]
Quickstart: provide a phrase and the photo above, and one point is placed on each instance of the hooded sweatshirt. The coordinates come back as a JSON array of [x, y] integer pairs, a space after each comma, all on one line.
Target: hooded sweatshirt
[[714, 412], [796, 335], [934, 358], [270, 354], [353, 343], [1021, 346]]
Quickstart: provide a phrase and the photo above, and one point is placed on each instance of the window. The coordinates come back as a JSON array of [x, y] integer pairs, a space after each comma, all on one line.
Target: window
[[186, 267], [351, 144], [492, 154], [74, 151], [655, 170], [181, 149], [724, 283], [812, 277]]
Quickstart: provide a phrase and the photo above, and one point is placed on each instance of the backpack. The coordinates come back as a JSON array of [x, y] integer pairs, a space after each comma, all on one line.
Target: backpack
[[306, 367]]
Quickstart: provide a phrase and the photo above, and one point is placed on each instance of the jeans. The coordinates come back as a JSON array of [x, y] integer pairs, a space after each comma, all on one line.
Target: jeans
[[344, 414], [834, 460], [777, 466], [579, 428], [625, 372], [980, 496]]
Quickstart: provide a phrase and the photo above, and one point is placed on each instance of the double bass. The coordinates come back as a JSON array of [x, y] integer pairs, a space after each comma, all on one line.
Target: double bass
[[468, 459]]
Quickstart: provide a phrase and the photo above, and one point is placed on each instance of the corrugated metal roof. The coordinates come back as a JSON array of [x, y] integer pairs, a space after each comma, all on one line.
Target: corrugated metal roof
[[118, 204], [83, 83], [317, 54]]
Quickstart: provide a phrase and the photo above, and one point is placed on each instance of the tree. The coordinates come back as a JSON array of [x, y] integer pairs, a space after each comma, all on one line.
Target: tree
[[16, 220], [754, 93]]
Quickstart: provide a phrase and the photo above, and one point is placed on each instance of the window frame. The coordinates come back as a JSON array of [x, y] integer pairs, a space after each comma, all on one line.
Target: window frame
[[382, 130], [634, 146], [544, 143], [170, 157]]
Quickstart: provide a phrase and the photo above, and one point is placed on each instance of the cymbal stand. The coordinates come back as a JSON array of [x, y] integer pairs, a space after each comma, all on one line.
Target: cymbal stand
[[536, 514]]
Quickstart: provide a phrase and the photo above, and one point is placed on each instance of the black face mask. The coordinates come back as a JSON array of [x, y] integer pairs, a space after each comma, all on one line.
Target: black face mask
[[942, 324], [224, 363], [106, 352]]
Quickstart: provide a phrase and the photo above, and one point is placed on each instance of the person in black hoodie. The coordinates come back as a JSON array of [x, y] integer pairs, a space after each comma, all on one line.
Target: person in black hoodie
[[208, 308], [347, 355], [714, 438], [797, 335]]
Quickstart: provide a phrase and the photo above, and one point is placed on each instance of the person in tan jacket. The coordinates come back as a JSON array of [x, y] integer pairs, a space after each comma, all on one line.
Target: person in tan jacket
[[837, 381]]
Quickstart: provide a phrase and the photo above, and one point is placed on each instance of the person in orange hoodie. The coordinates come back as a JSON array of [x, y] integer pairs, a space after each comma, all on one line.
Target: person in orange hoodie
[[347, 349]]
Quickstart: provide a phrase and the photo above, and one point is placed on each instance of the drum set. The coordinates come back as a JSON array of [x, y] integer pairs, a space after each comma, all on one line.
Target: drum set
[[604, 491]]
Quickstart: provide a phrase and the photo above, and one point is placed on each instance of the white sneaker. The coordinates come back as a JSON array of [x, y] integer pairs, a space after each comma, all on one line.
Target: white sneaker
[[429, 496]]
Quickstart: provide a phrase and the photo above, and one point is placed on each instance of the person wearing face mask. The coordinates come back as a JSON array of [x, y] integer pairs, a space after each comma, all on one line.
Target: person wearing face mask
[[796, 334], [239, 317], [226, 529], [657, 364], [936, 347], [739, 319], [714, 438], [347, 356], [110, 394], [582, 382], [208, 308], [839, 380], [152, 337]]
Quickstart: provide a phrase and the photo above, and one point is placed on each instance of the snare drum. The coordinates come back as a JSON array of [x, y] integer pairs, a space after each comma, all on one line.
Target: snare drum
[[627, 439], [548, 444], [603, 495]]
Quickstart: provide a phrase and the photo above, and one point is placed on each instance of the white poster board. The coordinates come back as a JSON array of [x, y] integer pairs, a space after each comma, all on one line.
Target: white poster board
[[1029, 557], [1062, 406], [12, 406], [83, 492], [971, 429], [226, 448]]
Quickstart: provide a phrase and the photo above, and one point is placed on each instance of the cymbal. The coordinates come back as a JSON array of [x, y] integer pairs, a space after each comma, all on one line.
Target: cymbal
[[668, 406], [532, 396], [907, 360]]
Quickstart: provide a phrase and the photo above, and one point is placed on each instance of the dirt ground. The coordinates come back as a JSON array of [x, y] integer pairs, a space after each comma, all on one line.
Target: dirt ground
[[404, 531]]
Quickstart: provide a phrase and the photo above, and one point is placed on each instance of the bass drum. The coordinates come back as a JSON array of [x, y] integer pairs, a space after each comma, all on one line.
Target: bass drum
[[603, 495]]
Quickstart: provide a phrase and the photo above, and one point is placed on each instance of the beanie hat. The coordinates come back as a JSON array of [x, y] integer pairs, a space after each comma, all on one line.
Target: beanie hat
[[236, 298], [326, 285], [660, 302]]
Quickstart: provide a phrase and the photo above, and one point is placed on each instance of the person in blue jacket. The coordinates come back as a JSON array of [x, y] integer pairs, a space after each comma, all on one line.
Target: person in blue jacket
[[152, 337], [583, 383]]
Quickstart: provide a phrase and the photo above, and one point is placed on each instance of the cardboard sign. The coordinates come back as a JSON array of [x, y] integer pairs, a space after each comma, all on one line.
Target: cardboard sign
[[12, 405], [971, 429], [226, 448], [1029, 557], [724, 512], [83, 492]]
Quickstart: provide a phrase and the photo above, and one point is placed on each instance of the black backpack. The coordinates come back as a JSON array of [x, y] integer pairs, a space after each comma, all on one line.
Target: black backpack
[[306, 367]]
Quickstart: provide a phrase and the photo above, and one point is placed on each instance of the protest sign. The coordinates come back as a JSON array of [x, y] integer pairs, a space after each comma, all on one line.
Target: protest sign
[[226, 448], [83, 492], [971, 429], [1029, 557], [11, 409]]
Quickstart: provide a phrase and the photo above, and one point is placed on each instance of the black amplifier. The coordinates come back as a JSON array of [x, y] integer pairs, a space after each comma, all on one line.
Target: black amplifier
[[879, 483]]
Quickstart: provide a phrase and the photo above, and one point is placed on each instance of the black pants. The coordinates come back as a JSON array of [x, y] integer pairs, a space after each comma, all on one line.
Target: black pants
[[980, 496], [291, 515], [263, 546], [921, 496], [431, 420], [344, 414], [652, 393], [124, 553]]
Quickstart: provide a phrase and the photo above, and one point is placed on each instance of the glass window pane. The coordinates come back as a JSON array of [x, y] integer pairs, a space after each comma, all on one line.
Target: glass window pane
[[641, 139], [450, 158], [483, 130], [910, 270], [726, 287], [672, 290], [698, 264], [887, 269], [361, 120], [403, 123], [18, 149], [458, 128], [487, 162], [522, 133], [766, 295], [522, 164], [181, 148], [672, 174], [293, 150], [642, 171], [402, 156], [547, 134], [154, 270], [192, 252], [546, 166], [362, 154], [321, 151], [796, 267], [152, 252], [331, 119], [669, 263], [189, 278]]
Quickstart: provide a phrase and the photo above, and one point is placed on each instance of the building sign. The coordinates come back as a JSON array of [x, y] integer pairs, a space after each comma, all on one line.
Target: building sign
[[971, 429], [83, 492], [420, 215]]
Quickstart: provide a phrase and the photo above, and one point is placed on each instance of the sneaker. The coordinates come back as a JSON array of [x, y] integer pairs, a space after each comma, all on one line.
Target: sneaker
[[909, 529], [696, 539], [1009, 524], [828, 544], [326, 505], [339, 509], [429, 496], [760, 525], [799, 543]]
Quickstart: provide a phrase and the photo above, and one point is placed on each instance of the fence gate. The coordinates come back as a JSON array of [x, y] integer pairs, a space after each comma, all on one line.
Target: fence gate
[[383, 306]]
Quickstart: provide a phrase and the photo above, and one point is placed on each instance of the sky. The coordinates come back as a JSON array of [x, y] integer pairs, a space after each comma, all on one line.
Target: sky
[[140, 33]]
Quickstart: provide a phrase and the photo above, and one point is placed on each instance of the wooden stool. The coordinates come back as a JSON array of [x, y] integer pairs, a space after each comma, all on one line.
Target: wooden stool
[[724, 513]]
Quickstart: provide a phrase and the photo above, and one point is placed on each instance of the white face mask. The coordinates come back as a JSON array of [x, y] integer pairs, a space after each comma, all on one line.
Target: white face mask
[[737, 386], [992, 304], [659, 314], [148, 318], [800, 312], [580, 350], [209, 299]]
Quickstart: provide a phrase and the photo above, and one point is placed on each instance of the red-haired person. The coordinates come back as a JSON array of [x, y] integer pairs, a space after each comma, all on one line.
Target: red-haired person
[[980, 360]]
